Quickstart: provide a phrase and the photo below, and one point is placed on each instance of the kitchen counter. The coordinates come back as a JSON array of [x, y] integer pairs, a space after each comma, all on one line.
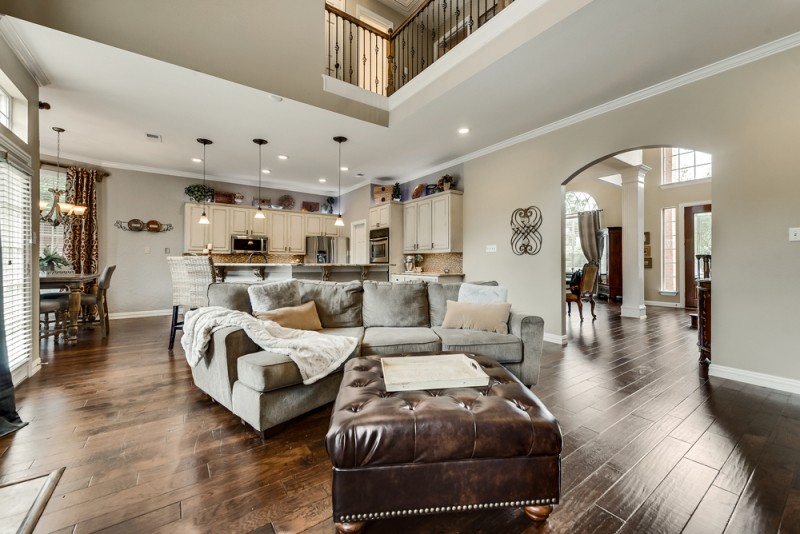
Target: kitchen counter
[[336, 272]]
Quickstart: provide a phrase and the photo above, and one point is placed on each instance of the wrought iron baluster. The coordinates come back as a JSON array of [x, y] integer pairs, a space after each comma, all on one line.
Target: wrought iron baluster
[[350, 53], [336, 65]]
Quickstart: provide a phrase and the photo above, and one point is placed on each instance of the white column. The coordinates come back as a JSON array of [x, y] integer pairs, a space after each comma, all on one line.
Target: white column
[[633, 242]]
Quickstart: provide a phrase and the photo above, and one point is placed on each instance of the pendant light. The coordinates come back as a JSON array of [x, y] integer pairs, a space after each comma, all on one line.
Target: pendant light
[[60, 212], [339, 139], [204, 142], [260, 143]]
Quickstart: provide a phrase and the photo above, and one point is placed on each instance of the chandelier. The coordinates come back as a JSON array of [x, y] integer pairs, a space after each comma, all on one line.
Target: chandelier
[[59, 212]]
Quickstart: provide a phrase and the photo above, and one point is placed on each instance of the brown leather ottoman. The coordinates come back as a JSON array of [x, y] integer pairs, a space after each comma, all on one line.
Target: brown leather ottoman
[[426, 452]]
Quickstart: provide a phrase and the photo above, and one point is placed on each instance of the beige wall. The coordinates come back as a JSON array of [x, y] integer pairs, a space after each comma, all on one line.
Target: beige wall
[[747, 119]]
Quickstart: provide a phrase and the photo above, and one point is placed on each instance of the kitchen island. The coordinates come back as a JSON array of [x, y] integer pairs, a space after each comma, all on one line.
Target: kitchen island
[[270, 272]]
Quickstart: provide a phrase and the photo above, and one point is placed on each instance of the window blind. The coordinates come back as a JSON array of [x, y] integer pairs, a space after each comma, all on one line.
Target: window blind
[[15, 232]]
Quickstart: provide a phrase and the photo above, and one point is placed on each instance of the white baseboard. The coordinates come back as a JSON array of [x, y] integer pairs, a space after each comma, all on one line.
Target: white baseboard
[[134, 315], [661, 304], [757, 379], [555, 338]]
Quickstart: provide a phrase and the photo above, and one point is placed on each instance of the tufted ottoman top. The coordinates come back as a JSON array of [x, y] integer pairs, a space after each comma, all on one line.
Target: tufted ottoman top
[[371, 427]]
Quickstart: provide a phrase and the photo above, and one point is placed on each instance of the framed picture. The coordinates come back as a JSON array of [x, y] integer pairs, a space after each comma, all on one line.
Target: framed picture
[[647, 251], [648, 263], [647, 240]]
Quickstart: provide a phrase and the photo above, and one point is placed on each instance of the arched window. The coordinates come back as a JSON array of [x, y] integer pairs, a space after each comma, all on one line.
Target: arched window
[[575, 202]]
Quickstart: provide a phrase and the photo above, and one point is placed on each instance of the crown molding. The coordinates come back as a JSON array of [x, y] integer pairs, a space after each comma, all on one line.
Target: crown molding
[[15, 42]]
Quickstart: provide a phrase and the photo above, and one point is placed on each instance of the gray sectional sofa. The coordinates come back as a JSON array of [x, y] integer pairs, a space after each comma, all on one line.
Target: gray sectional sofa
[[265, 389]]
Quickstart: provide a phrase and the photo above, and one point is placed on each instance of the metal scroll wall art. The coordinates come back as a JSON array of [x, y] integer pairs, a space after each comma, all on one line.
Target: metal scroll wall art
[[525, 236]]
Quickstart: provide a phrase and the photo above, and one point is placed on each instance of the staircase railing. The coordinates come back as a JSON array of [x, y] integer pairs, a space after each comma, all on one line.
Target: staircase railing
[[383, 62]]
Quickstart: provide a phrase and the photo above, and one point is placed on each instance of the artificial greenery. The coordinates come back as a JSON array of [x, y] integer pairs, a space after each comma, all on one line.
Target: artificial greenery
[[327, 206], [200, 192], [50, 259], [397, 194]]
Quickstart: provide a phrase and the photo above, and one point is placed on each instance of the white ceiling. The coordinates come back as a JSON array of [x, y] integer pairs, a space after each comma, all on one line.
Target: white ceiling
[[108, 99]]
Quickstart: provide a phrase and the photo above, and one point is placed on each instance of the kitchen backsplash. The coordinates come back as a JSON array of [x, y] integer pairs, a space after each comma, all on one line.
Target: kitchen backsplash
[[271, 258], [437, 263]]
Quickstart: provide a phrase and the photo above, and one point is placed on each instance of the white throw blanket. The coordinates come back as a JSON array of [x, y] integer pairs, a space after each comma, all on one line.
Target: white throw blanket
[[317, 355]]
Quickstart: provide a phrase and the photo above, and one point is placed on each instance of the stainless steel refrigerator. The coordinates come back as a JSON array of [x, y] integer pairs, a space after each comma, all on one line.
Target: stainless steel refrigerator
[[327, 249]]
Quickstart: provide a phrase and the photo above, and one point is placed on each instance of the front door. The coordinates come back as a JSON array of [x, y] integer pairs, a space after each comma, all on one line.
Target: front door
[[697, 241]]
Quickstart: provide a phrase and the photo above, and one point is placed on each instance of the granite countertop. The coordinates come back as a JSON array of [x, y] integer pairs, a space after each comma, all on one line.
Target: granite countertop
[[261, 264], [433, 273]]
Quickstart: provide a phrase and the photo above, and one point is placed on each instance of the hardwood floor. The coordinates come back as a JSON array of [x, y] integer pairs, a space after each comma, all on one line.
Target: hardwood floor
[[650, 443]]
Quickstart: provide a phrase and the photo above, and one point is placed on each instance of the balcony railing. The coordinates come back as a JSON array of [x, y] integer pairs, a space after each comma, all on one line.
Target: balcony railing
[[383, 62]]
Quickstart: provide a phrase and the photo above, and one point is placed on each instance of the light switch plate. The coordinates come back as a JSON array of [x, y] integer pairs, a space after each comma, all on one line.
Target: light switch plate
[[491, 248], [794, 234], [147, 250]]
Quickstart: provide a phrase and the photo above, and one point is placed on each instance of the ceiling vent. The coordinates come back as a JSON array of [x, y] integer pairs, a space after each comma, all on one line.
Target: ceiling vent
[[153, 137]]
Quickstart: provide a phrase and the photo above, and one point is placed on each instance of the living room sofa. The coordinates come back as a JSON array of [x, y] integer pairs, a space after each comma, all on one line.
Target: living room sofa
[[266, 389]]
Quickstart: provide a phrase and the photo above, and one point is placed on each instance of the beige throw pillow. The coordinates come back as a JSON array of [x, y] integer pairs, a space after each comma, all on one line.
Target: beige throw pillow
[[486, 317], [303, 317]]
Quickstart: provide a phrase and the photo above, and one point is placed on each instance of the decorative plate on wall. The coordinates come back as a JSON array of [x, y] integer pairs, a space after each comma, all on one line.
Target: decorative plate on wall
[[153, 226], [286, 202], [136, 225]]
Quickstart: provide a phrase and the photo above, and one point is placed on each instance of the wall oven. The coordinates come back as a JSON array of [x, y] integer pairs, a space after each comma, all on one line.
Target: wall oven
[[245, 244], [379, 245]]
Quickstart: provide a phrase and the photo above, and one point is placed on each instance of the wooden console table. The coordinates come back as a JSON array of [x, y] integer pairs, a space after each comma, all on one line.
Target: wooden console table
[[704, 319]]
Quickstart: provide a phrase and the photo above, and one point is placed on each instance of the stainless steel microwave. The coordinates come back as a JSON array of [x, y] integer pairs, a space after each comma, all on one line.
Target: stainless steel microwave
[[245, 244]]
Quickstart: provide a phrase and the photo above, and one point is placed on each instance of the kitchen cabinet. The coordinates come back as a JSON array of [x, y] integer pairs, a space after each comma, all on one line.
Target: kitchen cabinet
[[287, 233], [243, 222], [321, 225], [442, 278], [198, 236], [433, 224], [380, 216]]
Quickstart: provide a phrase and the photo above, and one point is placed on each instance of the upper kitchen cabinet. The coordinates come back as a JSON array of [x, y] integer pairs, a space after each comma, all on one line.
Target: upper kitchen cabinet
[[433, 223], [197, 236], [287, 233], [243, 222], [317, 224]]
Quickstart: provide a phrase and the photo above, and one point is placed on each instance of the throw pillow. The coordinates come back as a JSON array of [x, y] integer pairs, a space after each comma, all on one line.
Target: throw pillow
[[472, 316], [395, 304], [303, 317], [283, 294], [482, 294], [338, 303]]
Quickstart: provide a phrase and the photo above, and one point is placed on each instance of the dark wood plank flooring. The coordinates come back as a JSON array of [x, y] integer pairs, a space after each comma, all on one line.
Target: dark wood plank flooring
[[650, 443]]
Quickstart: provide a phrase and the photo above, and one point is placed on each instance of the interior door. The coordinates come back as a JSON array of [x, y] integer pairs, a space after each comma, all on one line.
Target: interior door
[[696, 240]]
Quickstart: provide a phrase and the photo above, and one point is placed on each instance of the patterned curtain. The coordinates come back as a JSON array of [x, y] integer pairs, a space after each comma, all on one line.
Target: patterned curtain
[[9, 419], [80, 237]]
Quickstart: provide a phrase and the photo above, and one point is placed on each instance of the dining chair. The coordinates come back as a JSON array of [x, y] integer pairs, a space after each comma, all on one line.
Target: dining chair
[[586, 287], [59, 312], [98, 300], [191, 276]]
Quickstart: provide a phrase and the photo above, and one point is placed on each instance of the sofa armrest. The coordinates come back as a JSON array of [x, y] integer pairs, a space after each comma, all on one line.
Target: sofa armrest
[[217, 372], [530, 329]]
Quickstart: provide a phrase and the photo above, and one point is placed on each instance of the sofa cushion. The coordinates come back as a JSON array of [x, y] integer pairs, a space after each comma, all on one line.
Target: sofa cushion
[[395, 304], [274, 295], [471, 316], [505, 348], [230, 295], [439, 294], [482, 294], [338, 303], [399, 340], [303, 317], [267, 371], [352, 331]]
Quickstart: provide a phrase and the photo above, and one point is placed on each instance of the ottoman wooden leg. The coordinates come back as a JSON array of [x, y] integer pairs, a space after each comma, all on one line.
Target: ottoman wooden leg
[[538, 513], [355, 526]]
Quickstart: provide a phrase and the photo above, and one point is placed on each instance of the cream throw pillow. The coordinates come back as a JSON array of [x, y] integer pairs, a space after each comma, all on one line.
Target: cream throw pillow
[[303, 317], [472, 316]]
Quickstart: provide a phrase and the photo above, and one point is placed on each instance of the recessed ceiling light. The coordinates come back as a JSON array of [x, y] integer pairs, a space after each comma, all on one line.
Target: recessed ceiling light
[[463, 131], [266, 171], [344, 169], [197, 160], [322, 180], [281, 156]]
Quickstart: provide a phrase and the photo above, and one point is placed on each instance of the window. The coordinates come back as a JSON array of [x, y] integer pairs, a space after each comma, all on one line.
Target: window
[[575, 202], [683, 165], [6, 105], [49, 235], [669, 249], [15, 234]]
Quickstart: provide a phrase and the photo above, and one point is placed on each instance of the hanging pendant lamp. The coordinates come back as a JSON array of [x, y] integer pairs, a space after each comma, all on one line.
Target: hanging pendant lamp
[[260, 143], [339, 222], [59, 212], [204, 142]]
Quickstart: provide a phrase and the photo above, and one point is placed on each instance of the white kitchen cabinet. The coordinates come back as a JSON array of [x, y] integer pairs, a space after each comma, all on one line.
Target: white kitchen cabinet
[[287, 233], [380, 216], [317, 225], [197, 236], [243, 222], [433, 224], [442, 278]]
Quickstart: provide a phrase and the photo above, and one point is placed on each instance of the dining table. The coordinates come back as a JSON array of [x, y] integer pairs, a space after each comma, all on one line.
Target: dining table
[[74, 283]]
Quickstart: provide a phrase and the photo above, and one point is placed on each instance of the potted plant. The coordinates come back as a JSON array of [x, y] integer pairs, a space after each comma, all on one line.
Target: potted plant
[[200, 192], [327, 206], [50, 259], [397, 194], [444, 182]]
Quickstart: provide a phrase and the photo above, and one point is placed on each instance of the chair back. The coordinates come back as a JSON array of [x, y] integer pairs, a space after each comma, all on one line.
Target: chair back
[[191, 276], [104, 282], [589, 277]]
